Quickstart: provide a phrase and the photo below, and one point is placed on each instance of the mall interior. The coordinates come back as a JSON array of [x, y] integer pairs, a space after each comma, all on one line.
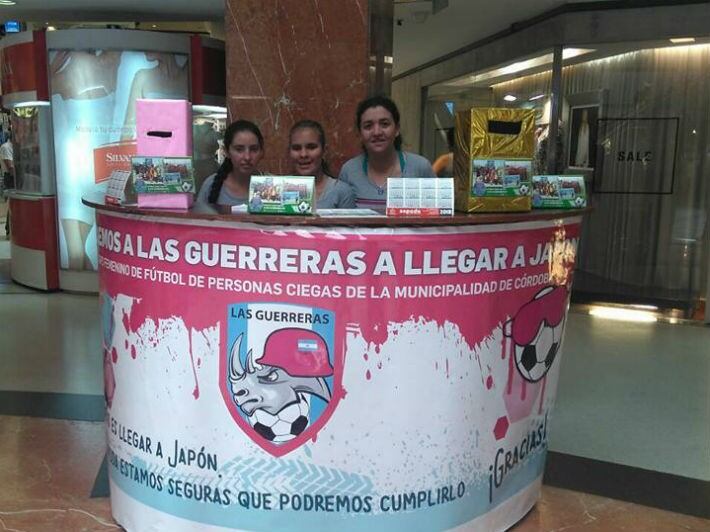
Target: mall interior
[[618, 85]]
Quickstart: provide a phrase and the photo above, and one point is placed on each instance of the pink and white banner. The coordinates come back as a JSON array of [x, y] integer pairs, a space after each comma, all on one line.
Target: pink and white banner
[[274, 378]]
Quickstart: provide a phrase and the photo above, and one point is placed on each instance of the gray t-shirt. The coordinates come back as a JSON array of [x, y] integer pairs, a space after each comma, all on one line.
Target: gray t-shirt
[[337, 195], [369, 195], [224, 198]]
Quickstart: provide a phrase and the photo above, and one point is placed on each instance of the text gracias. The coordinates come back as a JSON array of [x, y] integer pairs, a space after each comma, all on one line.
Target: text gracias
[[311, 261]]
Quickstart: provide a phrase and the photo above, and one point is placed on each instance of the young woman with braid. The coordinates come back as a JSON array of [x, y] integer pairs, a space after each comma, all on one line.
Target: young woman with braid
[[244, 146], [306, 150]]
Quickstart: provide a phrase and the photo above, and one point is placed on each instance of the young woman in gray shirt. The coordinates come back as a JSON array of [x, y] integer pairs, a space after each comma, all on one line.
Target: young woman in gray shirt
[[377, 120], [306, 150], [244, 147]]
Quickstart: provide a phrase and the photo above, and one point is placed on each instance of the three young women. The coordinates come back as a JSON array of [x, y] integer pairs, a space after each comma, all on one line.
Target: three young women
[[362, 181]]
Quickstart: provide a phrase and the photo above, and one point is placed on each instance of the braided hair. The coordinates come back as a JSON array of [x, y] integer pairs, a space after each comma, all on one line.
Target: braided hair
[[312, 124], [226, 167]]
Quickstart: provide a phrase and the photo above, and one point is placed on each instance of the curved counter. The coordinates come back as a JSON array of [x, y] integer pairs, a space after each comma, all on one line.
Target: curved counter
[[279, 373]]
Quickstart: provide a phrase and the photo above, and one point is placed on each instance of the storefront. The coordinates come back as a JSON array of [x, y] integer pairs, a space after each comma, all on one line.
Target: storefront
[[72, 95], [634, 120]]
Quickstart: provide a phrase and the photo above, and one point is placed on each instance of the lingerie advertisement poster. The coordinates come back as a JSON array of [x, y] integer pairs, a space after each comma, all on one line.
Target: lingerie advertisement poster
[[93, 97]]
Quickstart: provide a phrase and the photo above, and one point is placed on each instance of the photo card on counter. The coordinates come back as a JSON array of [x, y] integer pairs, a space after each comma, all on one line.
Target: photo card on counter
[[499, 177], [162, 175], [558, 192], [271, 194]]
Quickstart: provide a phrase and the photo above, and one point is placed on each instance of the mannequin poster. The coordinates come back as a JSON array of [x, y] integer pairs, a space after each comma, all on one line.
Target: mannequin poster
[[93, 95]]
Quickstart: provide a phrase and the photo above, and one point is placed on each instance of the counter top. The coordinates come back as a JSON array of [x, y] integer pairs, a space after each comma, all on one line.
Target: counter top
[[208, 212]]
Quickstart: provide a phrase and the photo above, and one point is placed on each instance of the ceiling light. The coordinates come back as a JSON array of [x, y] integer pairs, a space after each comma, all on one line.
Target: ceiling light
[[622, 314], [681, 40], [645, 307], [537, 97], [569, 53], [30, 104], [7, 2], [509, 98], [51, 28], [154, 26], [209, 108], [537, 62]]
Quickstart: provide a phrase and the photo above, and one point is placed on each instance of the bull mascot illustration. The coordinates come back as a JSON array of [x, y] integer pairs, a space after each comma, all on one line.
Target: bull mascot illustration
[[274, 391], [536, 332]]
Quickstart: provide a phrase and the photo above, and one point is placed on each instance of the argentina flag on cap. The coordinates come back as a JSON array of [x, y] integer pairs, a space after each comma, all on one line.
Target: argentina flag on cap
[[307, 345]]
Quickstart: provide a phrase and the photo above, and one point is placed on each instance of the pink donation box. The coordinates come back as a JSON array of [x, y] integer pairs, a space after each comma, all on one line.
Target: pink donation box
[[164, 128], [179, 201]]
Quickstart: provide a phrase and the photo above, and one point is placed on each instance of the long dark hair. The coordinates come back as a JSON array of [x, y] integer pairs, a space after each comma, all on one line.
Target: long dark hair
[[312, 124], [226, 167], [379, 101]]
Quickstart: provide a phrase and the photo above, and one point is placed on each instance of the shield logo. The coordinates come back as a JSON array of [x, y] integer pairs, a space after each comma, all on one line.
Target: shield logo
[[280, 374]]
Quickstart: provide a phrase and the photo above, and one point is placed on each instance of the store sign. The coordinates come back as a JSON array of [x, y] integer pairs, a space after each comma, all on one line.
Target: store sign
[[325, 379], [636, 155]]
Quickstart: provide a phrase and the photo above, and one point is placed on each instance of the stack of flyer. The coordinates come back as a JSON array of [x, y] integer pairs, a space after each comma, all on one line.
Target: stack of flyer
[[420, 196]]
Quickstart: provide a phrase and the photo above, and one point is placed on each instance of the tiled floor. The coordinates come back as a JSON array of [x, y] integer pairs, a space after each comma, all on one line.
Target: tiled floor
[[51, 343], [47, 470], [48, 467], [636, 394]]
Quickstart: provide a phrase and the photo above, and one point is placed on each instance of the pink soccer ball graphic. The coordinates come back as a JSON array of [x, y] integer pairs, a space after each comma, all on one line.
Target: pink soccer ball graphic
[[536, 331]]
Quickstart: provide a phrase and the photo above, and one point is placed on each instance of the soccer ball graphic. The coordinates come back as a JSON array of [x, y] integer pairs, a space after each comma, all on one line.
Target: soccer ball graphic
[[186, 186], [536, 332], [283, 426], [304, 206], [535, 359], [579, 201], [524, 189]]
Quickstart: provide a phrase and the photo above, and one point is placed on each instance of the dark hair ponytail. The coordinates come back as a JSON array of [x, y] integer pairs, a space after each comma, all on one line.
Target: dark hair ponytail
[[379, 101], [226, 167], [220, 176], [312, 124]]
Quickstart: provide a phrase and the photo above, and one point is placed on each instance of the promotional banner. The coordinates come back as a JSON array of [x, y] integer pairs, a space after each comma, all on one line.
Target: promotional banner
[[329, 379], [93, 95]]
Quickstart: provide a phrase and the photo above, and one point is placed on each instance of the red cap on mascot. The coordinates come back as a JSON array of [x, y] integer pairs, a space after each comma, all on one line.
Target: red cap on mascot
[[299, 352]]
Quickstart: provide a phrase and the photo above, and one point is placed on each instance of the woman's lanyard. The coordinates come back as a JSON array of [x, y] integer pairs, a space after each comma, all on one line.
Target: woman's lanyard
[[402, 165]]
